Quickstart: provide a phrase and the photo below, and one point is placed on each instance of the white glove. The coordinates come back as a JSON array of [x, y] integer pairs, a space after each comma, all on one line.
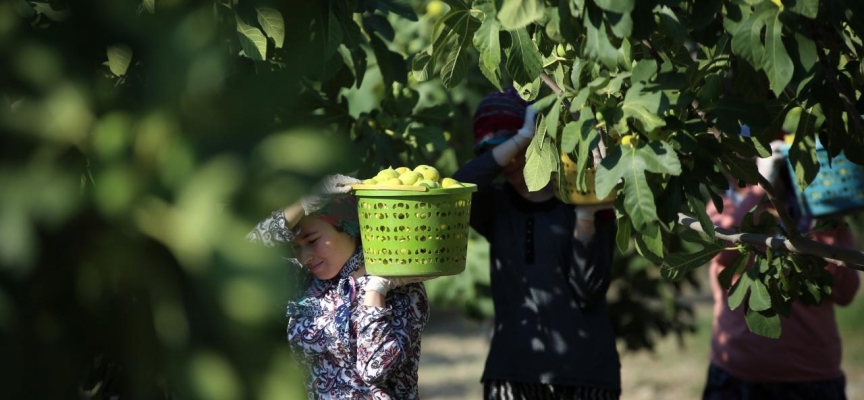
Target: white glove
[[324, 191], [527, 129], [770, 166], [586, 212], [383, 285]]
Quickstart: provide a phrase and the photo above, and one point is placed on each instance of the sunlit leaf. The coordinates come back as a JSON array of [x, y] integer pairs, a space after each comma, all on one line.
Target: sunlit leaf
[[643, 104], [540, 162], [516, 14], [486, 40], [274, 25], [119, 58], [597, 45], [777, 64], [524, 62], [807, 8], [254, 42], [616, 6]]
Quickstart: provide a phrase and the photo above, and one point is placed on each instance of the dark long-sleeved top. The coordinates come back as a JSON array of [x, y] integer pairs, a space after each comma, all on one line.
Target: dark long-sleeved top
[[548, 289]]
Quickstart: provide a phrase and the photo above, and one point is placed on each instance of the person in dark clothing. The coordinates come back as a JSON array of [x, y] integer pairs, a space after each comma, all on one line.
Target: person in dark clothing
[[550, 270]]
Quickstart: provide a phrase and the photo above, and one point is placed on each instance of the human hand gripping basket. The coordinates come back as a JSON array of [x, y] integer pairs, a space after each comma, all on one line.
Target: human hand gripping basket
[[417, 232]]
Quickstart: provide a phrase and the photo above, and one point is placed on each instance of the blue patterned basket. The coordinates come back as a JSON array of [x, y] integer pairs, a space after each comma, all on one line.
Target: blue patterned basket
[[838, 188]]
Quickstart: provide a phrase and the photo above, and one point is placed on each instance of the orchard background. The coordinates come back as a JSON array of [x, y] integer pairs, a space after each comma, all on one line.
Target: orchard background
[[143, 139]]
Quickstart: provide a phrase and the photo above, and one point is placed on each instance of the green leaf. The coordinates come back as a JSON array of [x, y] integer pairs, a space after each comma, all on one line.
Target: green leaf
[[740, 169], [332, 34], [274, 25], [622, 237], [653, 239], [597, 44], [569, 136], [644, 70], [760, 300], [616, 6], [516, 14], [621, 24], [398, 7], [421, 67], [697, 206], [747, 39], [705, 11], [677, 265], [765, 323], [49, 12], [119, 58], [660, 157], [778, 66], [630, 164], [455, 67], [390, 64], [253, 42], [739, 291], [487, 42], [643, 105], [150, 6], [553, 118], [524, 62], [541, 159], [806, 53], [807, 8], [450, 40], [802, 153], [589, 137], [457, 5], [735, 267]]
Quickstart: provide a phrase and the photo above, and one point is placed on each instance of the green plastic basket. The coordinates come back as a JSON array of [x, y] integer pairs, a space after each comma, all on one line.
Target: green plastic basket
[[407, 233]]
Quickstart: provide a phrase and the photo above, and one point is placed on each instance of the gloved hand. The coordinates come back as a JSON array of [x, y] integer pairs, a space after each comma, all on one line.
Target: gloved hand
[[770, 166], [324, 191], [586, 212], [383, 285], [527, 129]]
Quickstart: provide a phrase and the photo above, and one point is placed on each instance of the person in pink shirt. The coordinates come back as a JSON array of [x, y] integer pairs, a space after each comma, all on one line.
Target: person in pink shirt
[[804, 363]]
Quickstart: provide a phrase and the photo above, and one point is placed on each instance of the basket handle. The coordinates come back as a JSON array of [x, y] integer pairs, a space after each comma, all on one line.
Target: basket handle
[[390, 187]]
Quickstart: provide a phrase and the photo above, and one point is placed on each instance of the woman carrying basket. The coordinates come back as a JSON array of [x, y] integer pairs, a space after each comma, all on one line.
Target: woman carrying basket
[[550, 269], [358, 335]]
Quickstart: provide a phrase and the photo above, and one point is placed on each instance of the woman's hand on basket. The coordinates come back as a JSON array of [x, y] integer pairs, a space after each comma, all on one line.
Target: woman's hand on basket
[[325, 190], [383, 285]]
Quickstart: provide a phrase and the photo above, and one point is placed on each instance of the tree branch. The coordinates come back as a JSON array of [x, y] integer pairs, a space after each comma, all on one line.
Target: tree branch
[[802, 245], [788, 222], [599, 152]]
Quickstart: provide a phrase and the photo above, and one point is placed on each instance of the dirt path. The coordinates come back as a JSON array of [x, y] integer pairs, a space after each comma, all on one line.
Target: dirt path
[[454, 351]]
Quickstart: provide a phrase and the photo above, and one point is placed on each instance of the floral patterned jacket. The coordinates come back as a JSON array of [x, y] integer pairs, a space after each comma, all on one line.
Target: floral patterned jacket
[[379, 357]]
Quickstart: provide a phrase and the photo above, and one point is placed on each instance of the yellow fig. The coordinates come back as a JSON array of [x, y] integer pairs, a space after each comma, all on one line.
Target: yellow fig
[[410, 177], [450, 182], [428, 172], [386, 174]]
